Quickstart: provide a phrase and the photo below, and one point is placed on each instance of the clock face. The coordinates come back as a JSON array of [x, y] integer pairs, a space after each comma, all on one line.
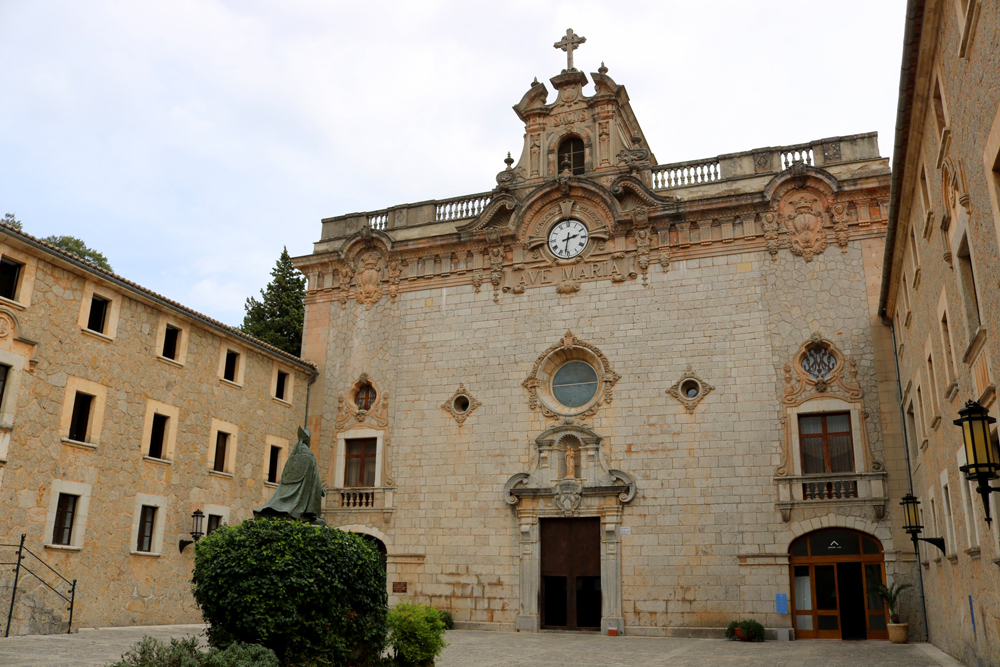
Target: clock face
[[568, 239]]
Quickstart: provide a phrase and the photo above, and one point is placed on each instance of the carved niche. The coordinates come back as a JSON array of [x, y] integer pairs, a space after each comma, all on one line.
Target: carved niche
[[366, 268], [569, 348], [820, 370]]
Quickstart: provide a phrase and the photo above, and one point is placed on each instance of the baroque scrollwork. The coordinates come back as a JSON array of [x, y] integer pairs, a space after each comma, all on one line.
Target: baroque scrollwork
[[461, 404], [803, 219], [690, 390]]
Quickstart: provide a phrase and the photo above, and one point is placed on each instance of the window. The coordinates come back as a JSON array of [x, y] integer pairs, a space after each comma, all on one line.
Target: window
[[279, 389], [214, 521], [905, 290], [925, 193], [915, 259], [940, 118], [968, 493], [949, 520], [170, 338], [921, 409], [949, 355], [570, 156], [967, 281], [935, 396], [10, 272], [158, 436], [4, 372], [232, 364], [911, 427], [147, 521], [274, 456], [62, 532], [826, 443], [575, 384], [221, 443], [80, 421], [365, 397], [360, 468], [98, 314]]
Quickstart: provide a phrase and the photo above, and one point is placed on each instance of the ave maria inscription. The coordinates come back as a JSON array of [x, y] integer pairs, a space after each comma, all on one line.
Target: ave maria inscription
[[568, 277]]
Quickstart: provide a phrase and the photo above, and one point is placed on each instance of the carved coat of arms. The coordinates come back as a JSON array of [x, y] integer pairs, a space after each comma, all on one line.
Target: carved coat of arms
[[568, 494], [805, 227], [369, 279]]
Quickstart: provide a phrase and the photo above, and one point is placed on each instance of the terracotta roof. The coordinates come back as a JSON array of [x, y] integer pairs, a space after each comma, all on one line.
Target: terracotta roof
[[125, 282]]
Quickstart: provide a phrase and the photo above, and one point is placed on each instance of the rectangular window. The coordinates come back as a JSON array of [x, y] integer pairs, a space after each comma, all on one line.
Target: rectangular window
[[80, 421], [938, 102], [911, 426], [170, 337], [949, 355], [158, 436], [921, 411], [935, 395], [214, 521], [65, 512], [906, 300], [913, 251], [279, 390], [221, 442], [360, 470], [98, 314], [967, 278], [232, 360], [826, 443], [272, 464], [10, 272], [949, 520], [4, 372], [147, 519], [925, 193]]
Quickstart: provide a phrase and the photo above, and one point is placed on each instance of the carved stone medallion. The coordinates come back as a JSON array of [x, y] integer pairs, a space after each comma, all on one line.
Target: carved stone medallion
[[803, 218]]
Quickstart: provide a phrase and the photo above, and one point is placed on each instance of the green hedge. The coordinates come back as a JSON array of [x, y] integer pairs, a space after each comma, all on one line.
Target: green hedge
[[417, 633], [184, 653], [314, 595]]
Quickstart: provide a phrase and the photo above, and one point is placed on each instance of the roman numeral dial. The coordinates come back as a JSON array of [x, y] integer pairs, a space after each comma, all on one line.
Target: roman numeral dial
[[568, 239]]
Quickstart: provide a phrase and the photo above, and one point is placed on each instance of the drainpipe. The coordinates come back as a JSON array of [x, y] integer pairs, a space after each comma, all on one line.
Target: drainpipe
[[305, 420], [909, 472]]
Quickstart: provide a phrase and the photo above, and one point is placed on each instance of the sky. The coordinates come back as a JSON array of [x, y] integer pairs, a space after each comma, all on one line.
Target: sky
[[190, 140]]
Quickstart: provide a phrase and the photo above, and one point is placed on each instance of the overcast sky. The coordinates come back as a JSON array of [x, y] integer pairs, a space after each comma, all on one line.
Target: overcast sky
[[190, 140]]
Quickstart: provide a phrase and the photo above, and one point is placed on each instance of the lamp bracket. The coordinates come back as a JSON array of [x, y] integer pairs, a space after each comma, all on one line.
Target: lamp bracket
[[936, 541], [183, 543]]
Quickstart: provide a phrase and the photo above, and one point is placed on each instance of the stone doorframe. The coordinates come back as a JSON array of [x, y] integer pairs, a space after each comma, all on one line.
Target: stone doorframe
[[594, 490]]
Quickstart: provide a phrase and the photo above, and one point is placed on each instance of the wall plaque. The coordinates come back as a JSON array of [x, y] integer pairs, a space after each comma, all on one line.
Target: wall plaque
[[399, 587]]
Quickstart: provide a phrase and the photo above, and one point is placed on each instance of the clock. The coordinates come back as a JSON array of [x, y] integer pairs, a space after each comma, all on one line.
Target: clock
[[568, 239]]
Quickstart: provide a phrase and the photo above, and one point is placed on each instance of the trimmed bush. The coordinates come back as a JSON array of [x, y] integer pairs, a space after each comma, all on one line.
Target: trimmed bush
[[752, 630], [417, 633], [449, 621], [313, 595], [184, 653]]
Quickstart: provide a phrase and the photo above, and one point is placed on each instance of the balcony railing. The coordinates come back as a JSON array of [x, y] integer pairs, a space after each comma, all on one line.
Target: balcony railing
[[359, 498], [831, 486], [830, 489]]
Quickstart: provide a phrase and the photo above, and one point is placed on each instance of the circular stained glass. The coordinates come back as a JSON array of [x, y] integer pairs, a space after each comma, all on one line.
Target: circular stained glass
[[819, 362], [575, 384]]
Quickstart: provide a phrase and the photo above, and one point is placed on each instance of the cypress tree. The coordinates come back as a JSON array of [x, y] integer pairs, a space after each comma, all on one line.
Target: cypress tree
[[277, 318]]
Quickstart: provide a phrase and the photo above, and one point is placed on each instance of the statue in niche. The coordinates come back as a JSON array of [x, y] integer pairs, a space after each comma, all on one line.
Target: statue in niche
[[570, 458], [300, 492]]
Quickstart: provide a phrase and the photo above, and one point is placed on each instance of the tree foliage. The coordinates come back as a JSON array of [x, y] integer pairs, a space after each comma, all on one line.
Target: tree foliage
[[11, 221], [73, 245], [314, 595], [277, 318]]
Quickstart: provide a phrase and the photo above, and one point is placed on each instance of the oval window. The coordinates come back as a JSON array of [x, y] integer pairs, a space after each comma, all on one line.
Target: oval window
[[365, 397], [690, 389], [575, 384], [460, 404]]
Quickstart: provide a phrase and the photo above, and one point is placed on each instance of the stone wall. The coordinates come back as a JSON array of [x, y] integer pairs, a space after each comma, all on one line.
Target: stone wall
[[51, 353]]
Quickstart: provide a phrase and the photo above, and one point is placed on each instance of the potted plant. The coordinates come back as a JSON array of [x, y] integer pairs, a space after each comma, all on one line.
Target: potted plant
[[899, 633], [747, 630]]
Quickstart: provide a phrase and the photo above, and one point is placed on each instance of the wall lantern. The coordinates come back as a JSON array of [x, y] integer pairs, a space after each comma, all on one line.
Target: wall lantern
[[911, 523], [980, 461], [197, 523]]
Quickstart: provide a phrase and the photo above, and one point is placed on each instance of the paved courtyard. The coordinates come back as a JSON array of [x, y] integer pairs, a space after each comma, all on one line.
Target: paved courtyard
[[96, 648]]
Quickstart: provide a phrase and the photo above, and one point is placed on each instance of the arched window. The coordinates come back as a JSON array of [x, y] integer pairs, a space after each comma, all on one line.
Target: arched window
[[571, 150]]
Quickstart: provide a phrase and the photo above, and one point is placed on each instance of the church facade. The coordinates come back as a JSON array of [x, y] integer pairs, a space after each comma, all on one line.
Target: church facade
[[610, 393]]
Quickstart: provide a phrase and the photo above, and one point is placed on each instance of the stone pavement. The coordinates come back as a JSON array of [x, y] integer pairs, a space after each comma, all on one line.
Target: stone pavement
[[469, 648]]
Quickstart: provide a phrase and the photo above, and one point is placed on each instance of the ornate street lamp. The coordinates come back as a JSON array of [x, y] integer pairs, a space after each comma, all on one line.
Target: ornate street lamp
[[980, 461], [911, 523], [197, 523]]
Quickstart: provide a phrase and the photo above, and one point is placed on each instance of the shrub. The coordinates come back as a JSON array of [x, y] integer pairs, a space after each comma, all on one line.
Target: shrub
[[449, 621], [314, 595], [752, 630], [417, 633], [184, 653], [890, 594]]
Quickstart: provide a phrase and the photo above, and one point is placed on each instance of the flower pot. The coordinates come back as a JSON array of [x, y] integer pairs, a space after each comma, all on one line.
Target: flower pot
[[899, 633], [612, 632], [740, 634]]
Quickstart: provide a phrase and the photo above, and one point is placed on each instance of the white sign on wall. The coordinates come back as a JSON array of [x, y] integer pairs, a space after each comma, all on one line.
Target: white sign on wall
[[626, 530]]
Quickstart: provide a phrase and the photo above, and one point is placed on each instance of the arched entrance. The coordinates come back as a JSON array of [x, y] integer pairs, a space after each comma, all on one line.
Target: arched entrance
[[379, 546], [835, 577]]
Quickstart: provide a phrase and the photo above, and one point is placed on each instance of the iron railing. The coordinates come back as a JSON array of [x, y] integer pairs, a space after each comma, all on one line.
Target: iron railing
[[19, 565]]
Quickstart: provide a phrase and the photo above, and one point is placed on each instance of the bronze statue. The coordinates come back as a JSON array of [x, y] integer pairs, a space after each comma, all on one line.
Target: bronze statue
[[300, 491]]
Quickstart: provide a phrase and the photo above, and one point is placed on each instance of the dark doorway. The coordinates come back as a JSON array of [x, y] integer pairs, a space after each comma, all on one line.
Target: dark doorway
[[851, 588], [379, 546], [571, 573]]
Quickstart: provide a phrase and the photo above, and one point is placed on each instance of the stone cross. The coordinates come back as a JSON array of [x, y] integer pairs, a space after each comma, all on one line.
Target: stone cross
[[570, 43]]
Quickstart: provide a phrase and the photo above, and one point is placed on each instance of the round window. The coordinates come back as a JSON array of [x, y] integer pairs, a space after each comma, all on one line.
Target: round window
[[575, 384], [365, 397], [690, 389], [460, 404]]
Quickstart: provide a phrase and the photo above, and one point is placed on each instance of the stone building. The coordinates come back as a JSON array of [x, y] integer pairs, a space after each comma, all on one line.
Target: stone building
[[940, 293], [613, 393], [121, 413]]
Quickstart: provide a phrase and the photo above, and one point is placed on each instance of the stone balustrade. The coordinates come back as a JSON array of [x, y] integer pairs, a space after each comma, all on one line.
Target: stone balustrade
[[460, 208]]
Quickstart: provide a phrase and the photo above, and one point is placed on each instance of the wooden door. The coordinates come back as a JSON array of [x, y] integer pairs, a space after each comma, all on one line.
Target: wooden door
[[571, 573]]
